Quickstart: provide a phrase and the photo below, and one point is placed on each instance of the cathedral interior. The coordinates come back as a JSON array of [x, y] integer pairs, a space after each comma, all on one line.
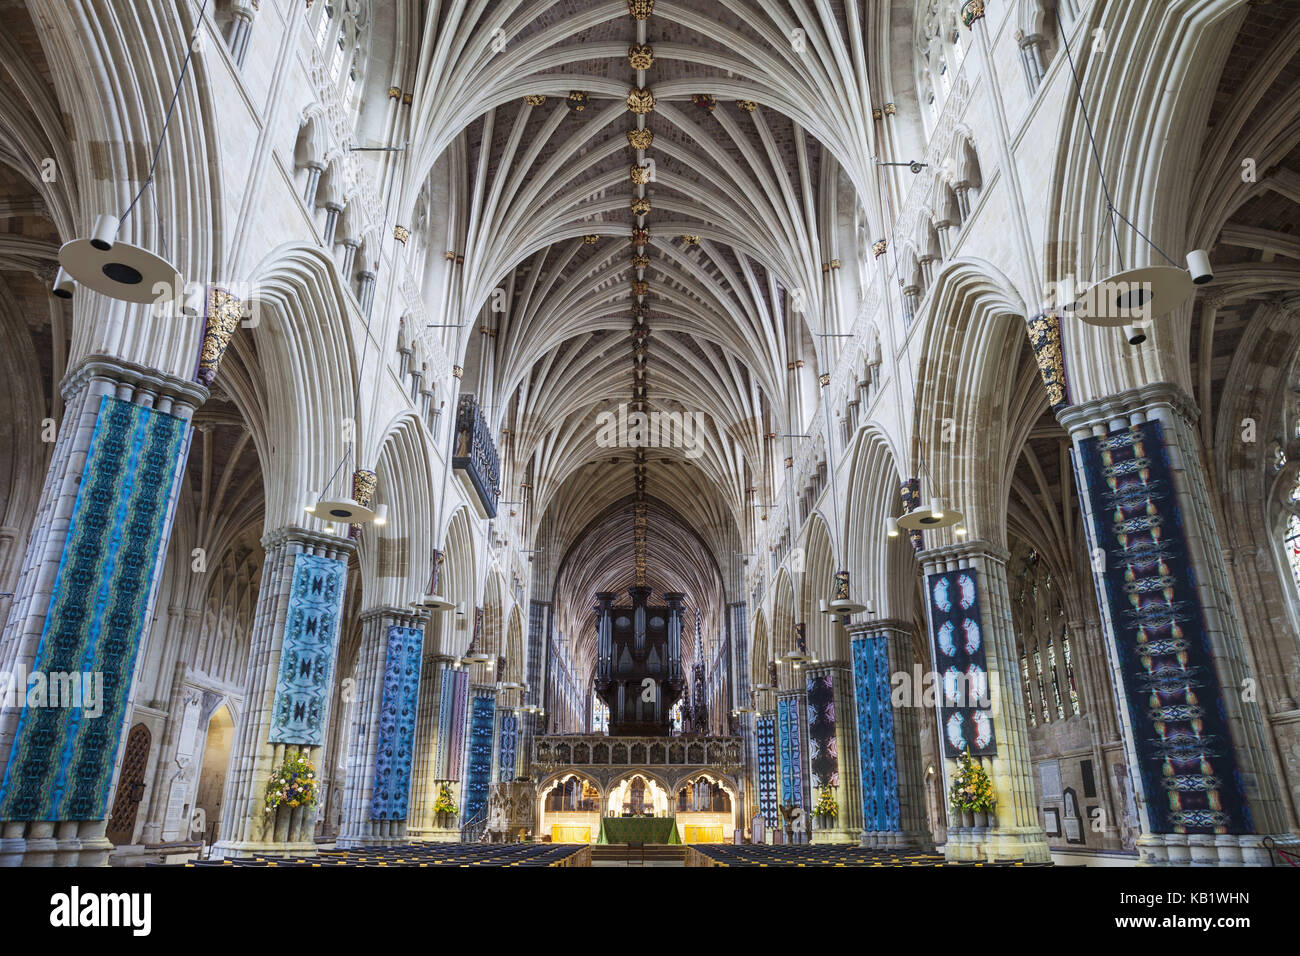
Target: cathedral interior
[[706, 433]]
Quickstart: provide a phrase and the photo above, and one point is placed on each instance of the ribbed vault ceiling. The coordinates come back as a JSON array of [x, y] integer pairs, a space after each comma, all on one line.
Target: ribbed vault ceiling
[[759, 117]]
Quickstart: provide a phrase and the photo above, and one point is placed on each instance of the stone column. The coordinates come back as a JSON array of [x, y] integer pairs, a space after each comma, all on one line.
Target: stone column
[[299, 607], [767, 769], [366, 289], [791, 736], [240, 29], [847, 826], [1205, 780], [1015, 831], [314, 171], [888, 739], [332, 212], [83, 601], [422, 824], [539, 616], [380, 743], [480, 755]]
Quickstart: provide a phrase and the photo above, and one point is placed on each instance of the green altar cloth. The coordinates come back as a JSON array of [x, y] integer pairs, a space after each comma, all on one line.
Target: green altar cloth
[[638, 830]]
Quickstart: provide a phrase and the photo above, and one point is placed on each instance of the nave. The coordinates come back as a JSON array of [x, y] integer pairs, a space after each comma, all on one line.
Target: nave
[[650, 433]]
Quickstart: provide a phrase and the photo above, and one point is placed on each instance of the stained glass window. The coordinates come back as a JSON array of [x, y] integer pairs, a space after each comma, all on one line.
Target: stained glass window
[[1293, 549], [1038, 673], [1069, 674], [1029, 697], [1056, 687]]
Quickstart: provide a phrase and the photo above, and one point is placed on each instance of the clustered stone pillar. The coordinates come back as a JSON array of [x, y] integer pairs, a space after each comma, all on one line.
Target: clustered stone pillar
[[247, 828], [791, 738], [44, 601], [423, 824], [888, 739], [370, 744], [847, 825], [1204, 778], [744, 697], [1016, 832]]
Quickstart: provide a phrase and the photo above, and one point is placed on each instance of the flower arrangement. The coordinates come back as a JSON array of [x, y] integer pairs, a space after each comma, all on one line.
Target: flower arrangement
[[444, 803], [972, 790], [293, 784], [826, 805]]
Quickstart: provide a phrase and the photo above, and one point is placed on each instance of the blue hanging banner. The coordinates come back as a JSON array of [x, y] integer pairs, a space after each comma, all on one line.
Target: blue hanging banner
[[877, 758], [302, 688], [61, 764], [401, 698]]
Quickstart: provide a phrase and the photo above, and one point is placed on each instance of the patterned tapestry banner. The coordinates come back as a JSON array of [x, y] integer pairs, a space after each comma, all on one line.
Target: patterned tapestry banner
[[823, 751], [1184, 750], [451, 723], [878, 760], [62, 760], [965, 709], [765, 743], [311, 627], [401, 698], [787, 719], [478, 783], [509, 743]]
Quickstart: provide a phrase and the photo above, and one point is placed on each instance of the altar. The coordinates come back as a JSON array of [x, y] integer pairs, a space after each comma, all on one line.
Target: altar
[[638, 830]]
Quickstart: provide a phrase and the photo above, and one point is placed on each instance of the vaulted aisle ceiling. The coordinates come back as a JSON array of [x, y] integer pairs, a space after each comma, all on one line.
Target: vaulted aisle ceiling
[[726, 131]]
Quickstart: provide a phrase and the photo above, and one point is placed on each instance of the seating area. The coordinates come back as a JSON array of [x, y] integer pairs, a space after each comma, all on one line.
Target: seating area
[[427, 854], [824, 854]]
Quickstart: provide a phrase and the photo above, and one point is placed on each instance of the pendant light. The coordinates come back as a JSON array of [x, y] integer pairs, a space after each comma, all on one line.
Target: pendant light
[[930, 519]]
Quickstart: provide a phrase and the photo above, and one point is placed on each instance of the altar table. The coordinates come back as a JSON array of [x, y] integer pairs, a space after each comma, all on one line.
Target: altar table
[[638, 830]]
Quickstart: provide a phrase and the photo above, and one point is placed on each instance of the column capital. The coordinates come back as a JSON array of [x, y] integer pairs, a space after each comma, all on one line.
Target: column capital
[[399, 616], [1099, 412], [932, 558], [120, 371], [292, 534], [868, 628], [820, 666]]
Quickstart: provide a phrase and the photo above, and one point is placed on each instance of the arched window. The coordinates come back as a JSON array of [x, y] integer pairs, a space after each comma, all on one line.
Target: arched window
[[325, 24], [336, 58], [341, 34], [940, 51], [1043, 639], [1291, 542]]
